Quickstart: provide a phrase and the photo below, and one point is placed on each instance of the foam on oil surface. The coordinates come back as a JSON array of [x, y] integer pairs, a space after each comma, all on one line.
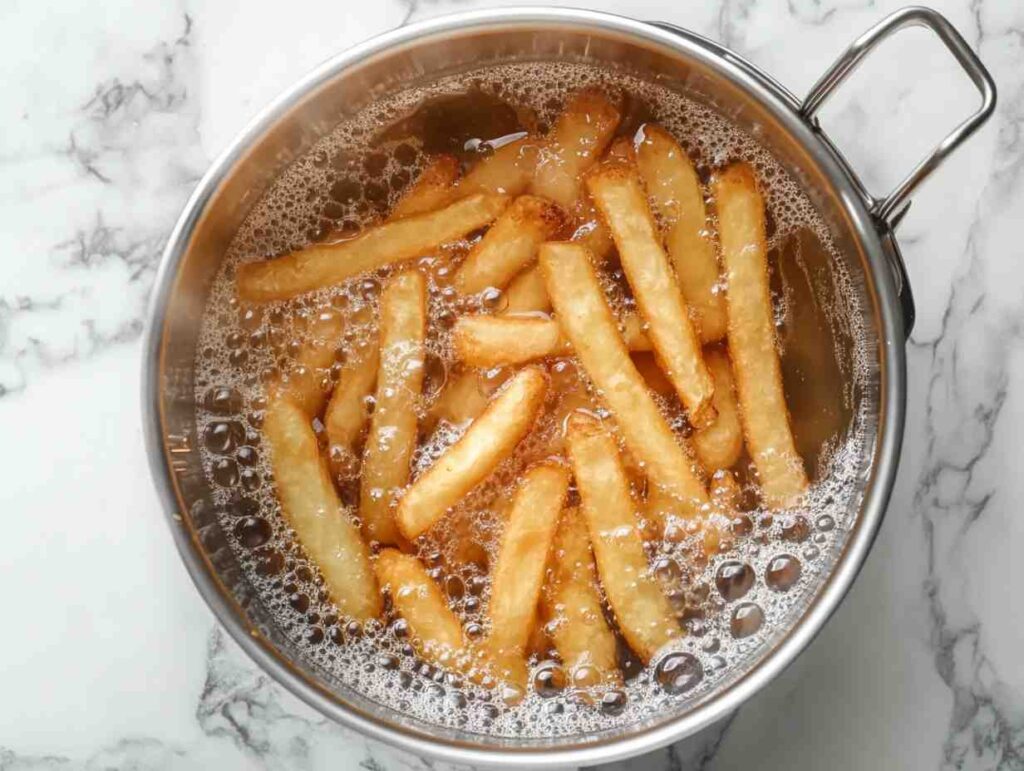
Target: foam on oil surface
[[346, 181]]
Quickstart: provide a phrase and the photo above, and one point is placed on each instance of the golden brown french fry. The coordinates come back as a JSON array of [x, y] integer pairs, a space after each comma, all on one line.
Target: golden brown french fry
[[643, 613], [720, 444], [506, 171], [526, 294], [393, 426], [307, 383], [348, 411], [572, 607], [461, 401], [489, 440], [510, 245], [328, 264], [577, 139], [619, 196], [436, 630], [674, 189], [587, 321], [310, 505], [431, 190], [497, 341], [522, 559], [752, 342]]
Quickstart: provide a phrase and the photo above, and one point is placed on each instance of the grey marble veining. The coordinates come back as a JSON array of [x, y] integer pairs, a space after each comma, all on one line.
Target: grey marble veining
[[114, 113]]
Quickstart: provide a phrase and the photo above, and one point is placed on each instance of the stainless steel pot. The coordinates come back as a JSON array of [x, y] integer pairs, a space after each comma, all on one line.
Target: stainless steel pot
[[861, 225]]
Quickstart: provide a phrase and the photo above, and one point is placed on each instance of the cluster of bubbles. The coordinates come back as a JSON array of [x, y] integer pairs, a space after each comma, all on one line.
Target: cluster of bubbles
[[733, 605]]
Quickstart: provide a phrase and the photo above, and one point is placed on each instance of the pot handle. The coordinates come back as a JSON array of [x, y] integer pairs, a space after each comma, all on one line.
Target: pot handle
[[890, 209]]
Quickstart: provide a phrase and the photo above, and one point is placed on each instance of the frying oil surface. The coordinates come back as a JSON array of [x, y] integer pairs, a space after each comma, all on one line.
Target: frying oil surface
[[732, 605]]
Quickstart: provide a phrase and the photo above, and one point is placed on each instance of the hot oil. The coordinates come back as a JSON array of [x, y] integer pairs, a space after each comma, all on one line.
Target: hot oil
[[733, 606]]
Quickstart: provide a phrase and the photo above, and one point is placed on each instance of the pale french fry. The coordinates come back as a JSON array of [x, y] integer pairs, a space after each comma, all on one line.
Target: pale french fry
[[674, 189], [431, 190], [506, 171], [522, 559], [720, 444], [307, 383], [643, 613], [310, 505], [436, 630], [325, 265], [461, 401], [571, 602], [752, 342], [526, 294], [575, 142], [510, 245], [348, 411], [587, 321], [489, 440], [618, 194], [497, 341], [393, 426]]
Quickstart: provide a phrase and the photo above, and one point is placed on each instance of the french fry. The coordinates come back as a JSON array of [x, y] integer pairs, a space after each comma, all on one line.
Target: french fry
[[719, 445], [436, 630], [431, 190], [522, 559], [526, 294], [619, 196], [307, 383], [506, 171], [495, 341], [752, 342], [587, 321], [348, 411], [489, 440], [393, 426], [510, 245], [325, 265], [643, 613], [460, 402], [571, 603], [576, 141], [310, 505], [673, 187], [498, 341]]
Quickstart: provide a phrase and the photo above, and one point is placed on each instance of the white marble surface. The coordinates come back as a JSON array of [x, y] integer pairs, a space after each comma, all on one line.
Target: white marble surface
[[109, 659]]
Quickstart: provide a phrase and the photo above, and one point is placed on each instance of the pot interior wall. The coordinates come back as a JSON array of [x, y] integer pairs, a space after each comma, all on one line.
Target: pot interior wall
[[332, 98]]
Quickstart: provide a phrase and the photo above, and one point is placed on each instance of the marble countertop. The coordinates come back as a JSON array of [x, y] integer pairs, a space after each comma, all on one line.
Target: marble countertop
[[109, 657]]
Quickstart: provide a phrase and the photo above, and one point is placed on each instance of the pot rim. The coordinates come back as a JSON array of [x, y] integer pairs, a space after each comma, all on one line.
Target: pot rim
[[784, 107]]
